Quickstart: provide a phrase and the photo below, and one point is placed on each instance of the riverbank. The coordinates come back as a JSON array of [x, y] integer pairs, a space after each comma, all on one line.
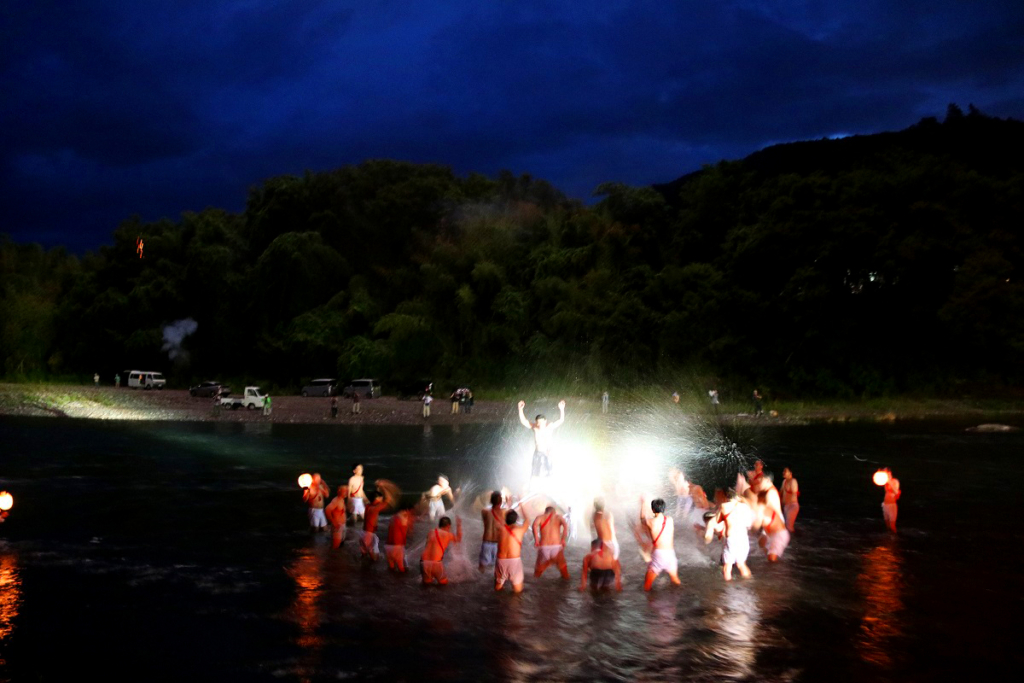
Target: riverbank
[[108, 403]]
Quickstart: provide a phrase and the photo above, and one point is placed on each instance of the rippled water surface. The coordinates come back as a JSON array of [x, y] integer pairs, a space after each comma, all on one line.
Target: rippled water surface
[[180, 551]]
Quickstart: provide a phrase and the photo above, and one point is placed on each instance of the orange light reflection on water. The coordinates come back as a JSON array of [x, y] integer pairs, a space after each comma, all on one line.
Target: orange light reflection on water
[[10, 595], [881, 581]]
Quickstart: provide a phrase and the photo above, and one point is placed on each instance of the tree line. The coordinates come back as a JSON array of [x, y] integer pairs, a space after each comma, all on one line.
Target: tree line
[[863, 266]]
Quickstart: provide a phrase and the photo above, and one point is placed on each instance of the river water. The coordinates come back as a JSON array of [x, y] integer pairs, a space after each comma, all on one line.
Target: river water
[[180, 551]]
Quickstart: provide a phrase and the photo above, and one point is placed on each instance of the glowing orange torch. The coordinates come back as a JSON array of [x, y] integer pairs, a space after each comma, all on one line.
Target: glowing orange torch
[[881, 478], [139, 244], [305, 480], [6, 501]]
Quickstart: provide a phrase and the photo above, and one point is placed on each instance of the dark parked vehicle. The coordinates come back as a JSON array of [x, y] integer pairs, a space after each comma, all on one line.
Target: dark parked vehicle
[[208, 389], [321, 387], [368, 388]]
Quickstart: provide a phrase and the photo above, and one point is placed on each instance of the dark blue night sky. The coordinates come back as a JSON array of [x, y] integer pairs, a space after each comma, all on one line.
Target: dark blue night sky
[[110, 109]]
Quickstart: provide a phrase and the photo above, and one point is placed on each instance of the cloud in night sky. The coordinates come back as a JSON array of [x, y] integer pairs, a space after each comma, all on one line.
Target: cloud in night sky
[[112, 109]]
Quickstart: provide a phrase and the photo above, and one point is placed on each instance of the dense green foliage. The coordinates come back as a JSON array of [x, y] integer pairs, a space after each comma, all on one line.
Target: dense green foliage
[[863, 266]]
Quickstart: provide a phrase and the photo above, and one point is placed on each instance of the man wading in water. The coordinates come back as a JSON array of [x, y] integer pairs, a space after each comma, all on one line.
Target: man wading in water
[[543, 438]]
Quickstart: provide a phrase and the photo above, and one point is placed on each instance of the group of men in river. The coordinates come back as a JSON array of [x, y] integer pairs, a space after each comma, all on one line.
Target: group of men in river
[[753, 504]]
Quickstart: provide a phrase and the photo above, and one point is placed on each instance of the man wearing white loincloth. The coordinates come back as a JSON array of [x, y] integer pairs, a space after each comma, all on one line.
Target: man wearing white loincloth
[[733, 519], [775, 536], [550, 531], [432, 559], [661, 530], [892, 494], [604, 527], [509, 567], [356, 494], [436, 496], [316, 496], [335, 512]]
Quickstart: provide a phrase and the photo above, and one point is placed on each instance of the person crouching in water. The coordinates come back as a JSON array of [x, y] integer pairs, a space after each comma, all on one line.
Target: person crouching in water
[[549, 535], [398, 531], [438, 540], [602, 568], [732, 520], [769, 507], [509, 566], [662, 532], [335, 512]]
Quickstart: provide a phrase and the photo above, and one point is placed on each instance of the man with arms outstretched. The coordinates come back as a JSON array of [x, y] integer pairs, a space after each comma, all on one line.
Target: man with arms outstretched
[[543, 438]]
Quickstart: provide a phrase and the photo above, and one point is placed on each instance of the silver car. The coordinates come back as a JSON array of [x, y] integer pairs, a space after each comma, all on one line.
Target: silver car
[[321, 387]]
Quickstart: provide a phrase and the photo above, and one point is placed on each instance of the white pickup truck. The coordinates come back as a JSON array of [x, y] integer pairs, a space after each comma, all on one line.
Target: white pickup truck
[[252, 399]]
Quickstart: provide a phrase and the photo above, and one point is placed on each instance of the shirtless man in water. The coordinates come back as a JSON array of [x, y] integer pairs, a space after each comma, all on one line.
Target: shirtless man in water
[[493, 518], [733, 519], [604, 527], [509, 566], [335, 512], [662, 533], [790, 498], [316, 496], [369, 544], [769, 507], [602, 568], [550, 532], [892, 494], [398, 531], [543, 438], [438, 540], [356, 493], [436, 495]]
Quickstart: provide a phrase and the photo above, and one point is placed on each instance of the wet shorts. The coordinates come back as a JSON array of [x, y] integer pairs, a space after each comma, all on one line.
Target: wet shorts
[[548, 553], [777, 542], [613, 546], [488, 553], [433, 571], [369, 543], [789, 510], [510, 570], [395, 555], [736, 549], [317, 518], [436, 510], [889, 512], [356, 506], [663, 560]]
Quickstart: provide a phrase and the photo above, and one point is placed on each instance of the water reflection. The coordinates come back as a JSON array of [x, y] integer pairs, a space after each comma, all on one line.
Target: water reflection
[[10, 598], [306, 611], [737, 622], [881, 582]]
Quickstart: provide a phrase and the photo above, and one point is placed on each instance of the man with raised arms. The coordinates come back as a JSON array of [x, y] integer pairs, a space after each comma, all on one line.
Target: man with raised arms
[[550, 532], [776, 536], [790, 498], [435, 496], [604, 527], [509, 566], [543, 438], [601, 568], [316, 496], [438, 540], [892, 494], [398, 531], [335, 512], [662, 533], [493, 518], [732, 521], [356, 494], [369, 544]]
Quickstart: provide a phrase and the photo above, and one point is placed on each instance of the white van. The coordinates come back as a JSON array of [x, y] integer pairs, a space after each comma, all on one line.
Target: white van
[[145, 379]]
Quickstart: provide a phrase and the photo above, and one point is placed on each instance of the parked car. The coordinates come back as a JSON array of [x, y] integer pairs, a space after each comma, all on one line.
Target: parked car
[[321, 387], [251, 399], [145, 379], [208, 389], [370, 388]]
